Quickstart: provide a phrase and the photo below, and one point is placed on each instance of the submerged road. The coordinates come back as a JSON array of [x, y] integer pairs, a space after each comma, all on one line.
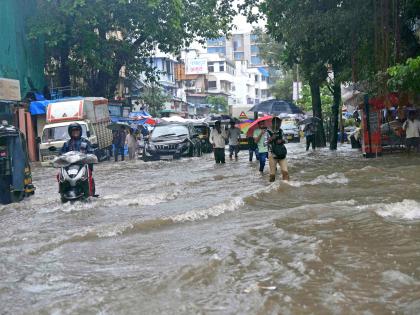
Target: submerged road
[[192, 237]]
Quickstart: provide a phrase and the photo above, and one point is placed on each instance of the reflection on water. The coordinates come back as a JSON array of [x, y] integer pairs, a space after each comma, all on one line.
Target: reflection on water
[[191, 237]]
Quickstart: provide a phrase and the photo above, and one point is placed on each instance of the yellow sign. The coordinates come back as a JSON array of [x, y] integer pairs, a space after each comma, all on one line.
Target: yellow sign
[[243, 116]]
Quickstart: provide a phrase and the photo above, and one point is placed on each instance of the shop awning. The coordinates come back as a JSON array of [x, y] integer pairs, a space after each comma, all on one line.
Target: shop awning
[[264, 72]]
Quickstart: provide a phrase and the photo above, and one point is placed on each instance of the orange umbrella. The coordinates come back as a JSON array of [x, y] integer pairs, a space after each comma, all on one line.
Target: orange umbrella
[[254, 125]]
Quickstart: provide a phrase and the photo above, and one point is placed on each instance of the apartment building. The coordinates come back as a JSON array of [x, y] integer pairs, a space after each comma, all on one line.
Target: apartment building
[[243, 49]]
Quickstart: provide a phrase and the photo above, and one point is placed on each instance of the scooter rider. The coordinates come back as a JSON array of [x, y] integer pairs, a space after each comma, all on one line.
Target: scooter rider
[[80, 144], [76, 141]]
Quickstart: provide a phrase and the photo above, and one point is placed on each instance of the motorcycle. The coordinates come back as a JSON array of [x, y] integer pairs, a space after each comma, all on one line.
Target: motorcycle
[[75, 179]]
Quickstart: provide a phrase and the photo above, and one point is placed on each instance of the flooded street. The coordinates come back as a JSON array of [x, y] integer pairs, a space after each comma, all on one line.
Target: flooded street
[[192, 237]]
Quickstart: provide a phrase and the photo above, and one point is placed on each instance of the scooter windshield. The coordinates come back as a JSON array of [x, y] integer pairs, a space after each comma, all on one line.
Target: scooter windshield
[[74, 157]]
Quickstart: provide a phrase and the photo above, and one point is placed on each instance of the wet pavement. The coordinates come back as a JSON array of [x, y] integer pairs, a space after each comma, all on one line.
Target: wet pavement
[[192, 237]]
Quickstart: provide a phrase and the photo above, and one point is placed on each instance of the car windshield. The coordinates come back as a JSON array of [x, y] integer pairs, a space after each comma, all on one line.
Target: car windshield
[[59, 133], [288, 126], [169, 130]]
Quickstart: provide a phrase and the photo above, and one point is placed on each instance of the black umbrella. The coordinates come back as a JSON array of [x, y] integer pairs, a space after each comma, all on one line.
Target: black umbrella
[[276, 107], [309, 120]]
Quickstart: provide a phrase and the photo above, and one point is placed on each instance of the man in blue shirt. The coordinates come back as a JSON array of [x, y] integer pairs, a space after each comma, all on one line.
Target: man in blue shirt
[[76, 141]]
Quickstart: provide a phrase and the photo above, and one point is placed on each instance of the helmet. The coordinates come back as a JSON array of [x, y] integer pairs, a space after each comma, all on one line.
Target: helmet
[[75, 126]]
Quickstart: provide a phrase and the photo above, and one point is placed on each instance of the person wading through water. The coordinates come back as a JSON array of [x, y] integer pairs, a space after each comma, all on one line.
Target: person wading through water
[[277, 150], [218, 140]]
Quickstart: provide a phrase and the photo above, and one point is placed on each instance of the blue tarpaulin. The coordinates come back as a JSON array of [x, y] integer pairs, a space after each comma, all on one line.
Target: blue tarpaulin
[[139, 114], [264, 72], [40, 107]]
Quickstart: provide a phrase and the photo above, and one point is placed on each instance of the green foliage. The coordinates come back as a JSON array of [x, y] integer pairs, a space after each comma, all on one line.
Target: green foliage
[[154, 97], [283, 88], [91, 40], [349, 122], [219, 104], [405, 77], [326, 100]]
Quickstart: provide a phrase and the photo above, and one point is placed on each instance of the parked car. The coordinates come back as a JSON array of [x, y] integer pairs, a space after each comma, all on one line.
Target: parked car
[[291, 132], [172, 141]]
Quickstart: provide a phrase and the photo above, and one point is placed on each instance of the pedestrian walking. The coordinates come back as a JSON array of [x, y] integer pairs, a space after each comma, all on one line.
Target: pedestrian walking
[[412, 132], [234, 135], [118, 141], [131, 142], [261, 138], [309, 131], [218, 140], [252, 148], [277, 150]]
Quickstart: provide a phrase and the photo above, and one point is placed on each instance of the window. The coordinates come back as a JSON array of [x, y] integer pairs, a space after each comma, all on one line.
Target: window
[[238, 43], [238, 56], [254, 38], [257, 92], [212, 85], [216, 50], [255, 49], [255, 60], [222, 67], [216, 42], [256, 78], [210, 66], [263, 78]]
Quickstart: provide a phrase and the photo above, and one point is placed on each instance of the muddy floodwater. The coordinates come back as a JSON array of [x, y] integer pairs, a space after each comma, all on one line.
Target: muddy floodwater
[[192, 237]]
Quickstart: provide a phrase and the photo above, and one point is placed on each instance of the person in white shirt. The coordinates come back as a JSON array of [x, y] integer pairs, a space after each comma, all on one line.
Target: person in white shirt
[[412, 132], [218, 140], [234, 135], [131, 142]]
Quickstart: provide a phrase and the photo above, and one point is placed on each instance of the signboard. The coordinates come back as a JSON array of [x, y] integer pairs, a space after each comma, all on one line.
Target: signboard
[[243, 116], [372, 146], [297, 90], [9, 90], [196, 66]]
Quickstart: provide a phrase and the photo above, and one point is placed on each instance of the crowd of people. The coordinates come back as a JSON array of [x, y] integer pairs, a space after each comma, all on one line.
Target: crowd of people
[[126, 136], [266, 144]]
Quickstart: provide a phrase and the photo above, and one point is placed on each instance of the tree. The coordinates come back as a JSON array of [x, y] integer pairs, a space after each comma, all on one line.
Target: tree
[[90, 41], [405, 77], [219, 104], [283, 88], [326, 100], [154, 98]]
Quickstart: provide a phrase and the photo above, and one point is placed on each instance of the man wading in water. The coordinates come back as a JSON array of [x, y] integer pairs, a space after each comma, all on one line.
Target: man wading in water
[[277, 150], [217, 139]]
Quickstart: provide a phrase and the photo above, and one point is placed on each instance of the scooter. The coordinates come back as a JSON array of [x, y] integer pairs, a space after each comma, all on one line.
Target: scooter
[[75, 179]]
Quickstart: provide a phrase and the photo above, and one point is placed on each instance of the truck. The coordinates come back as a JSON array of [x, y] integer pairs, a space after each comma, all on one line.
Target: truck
[[91, 113]]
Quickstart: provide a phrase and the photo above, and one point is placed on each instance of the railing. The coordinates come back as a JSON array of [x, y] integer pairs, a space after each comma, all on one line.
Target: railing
[[63, 91]]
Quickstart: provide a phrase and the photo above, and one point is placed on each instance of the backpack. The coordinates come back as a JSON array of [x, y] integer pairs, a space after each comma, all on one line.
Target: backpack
[[279, 150]]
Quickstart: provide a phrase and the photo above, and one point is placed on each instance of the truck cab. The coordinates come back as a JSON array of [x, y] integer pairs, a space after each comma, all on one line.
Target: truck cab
[[90, 112], [55, 135]]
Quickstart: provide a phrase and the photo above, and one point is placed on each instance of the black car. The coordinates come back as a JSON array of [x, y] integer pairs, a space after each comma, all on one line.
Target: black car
[[172, 141]]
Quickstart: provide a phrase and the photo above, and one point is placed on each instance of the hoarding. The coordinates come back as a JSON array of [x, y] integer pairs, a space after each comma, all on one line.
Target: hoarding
[[196, 66], [9, 90]]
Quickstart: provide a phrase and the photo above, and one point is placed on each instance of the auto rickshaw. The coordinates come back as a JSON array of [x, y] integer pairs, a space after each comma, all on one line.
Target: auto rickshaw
[[15, 171], [203, 131]]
